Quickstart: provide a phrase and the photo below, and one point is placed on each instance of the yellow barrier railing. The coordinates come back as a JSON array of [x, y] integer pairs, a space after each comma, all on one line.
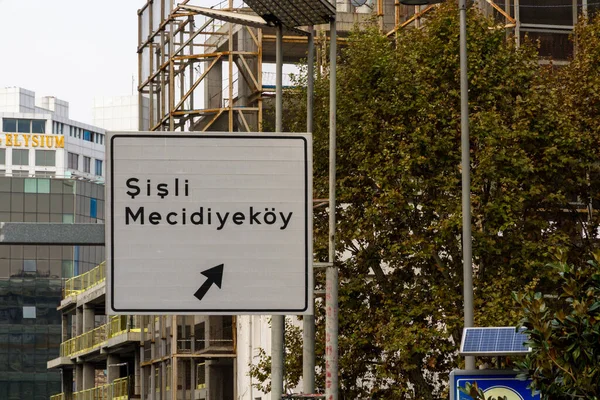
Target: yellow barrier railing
[[118, 390], [92, 339], [96, 337], [68, 348], [81, 283], [117, 325]]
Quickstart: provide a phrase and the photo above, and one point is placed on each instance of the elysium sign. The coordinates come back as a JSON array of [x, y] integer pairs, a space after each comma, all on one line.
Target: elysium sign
[[211, 224]]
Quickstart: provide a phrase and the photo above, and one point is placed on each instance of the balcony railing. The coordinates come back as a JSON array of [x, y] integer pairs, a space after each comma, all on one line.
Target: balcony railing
[[118, 390], [81, 283], [95, 338]]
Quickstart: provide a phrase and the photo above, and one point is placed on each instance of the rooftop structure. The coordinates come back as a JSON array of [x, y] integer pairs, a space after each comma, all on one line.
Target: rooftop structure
[[37, 138]]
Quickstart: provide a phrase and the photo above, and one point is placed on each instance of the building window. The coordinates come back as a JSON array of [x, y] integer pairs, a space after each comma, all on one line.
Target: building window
[[29, 312], [24, 125], [34, 185], [38, 126], [67, 268], [29, 266], [73, 161], [99, 167], [20, 156], [45, 158], [94, 208], [9, 125], [87, 135], [2, 156], [20, 173], [101, 139], [87, 164]]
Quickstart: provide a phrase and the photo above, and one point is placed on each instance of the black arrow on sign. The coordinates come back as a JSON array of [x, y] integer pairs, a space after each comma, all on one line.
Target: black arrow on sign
[[213, 275]]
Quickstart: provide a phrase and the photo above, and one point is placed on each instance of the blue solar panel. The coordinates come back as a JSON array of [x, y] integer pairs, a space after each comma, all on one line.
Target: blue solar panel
[[493, 341]]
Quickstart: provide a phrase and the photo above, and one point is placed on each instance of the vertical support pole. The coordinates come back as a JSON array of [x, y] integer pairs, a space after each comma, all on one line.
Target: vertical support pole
[[191, 68], [140, 61], [331, 295], [171, 77], [279, 80], [174, 358], [310, 90], [137, 373], [584, 8], [278, 321], [308, 323], [466, 179], [518, 23], [230, 94], [259, 77], [151, 104], [508, 11]]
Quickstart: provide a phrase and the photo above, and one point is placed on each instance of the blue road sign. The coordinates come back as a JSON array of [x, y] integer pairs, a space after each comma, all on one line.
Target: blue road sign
[[494, 383]]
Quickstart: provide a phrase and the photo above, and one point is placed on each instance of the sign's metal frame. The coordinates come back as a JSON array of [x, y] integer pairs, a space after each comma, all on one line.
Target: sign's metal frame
[[110, 240]]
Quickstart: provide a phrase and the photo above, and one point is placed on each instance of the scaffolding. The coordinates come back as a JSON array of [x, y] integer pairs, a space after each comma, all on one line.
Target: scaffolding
[[201, 74]]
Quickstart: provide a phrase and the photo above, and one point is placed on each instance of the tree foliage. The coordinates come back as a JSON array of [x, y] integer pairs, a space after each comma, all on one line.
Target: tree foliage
[[565, 334], [399, 193]]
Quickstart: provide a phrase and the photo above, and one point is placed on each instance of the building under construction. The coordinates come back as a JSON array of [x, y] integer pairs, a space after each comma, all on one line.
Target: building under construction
[[201, 74]]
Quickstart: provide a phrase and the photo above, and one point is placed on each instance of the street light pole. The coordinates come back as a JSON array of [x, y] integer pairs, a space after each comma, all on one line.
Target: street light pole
[[466, 179]]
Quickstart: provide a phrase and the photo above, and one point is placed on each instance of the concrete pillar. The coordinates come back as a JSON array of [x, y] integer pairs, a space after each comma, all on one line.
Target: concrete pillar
[[89, 318], [246, 86], [193, 378], [137, 374], [89, 376], [152, 382], [112, 371], [67, 383], [213, 85], [79, 321], [65, 328], [215, 390], [79, 377]]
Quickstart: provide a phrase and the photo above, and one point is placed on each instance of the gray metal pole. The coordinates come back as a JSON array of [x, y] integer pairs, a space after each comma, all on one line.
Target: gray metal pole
[[466, 179], [279, 79], [278, 321], [308, 323], [310, 90], [331, 297]]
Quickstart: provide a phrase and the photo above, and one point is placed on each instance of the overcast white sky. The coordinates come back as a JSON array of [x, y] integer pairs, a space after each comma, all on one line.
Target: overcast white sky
[[72, 49]]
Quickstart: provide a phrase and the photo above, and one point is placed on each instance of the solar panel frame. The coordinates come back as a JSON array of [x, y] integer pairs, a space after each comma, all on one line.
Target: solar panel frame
[[294, 13], [493, 341]]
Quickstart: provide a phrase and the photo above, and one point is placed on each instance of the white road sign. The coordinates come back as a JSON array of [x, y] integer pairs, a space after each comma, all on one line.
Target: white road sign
[[209, 223]]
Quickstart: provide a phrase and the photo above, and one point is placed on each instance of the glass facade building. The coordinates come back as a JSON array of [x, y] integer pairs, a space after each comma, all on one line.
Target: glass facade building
[[31, 279]]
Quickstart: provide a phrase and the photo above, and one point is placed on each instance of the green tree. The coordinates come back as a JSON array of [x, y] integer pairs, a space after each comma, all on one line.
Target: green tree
[[399, 193], [564, 333]]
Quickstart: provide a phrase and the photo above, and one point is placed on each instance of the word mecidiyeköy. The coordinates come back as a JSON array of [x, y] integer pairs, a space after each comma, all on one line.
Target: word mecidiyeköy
[[206, 216]]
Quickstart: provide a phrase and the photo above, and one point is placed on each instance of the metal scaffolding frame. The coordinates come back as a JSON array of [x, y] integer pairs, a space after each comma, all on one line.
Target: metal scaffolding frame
[[180, 58]]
